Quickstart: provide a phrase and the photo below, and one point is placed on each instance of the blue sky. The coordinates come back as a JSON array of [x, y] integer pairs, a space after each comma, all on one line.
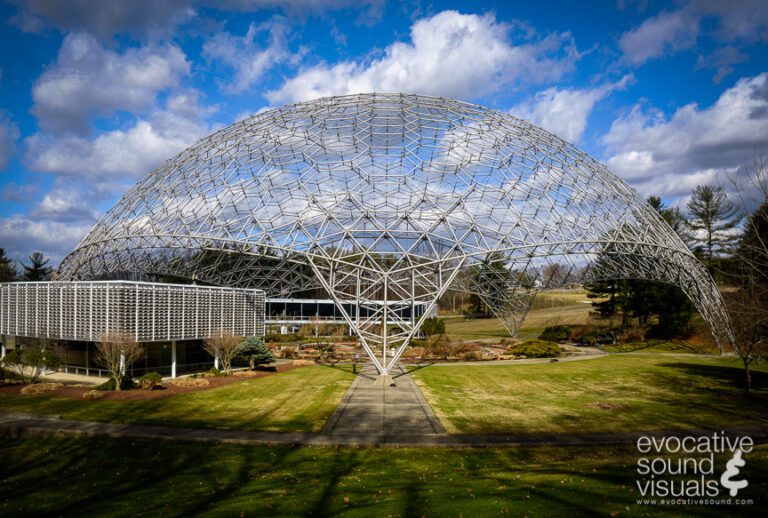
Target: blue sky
[[94, 95]]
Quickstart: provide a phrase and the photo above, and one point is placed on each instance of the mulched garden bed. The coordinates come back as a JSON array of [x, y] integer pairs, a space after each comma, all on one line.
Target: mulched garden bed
[[77, 391]]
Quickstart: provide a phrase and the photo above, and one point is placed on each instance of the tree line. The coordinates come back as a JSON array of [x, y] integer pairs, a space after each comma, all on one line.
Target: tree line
[[37, 269]]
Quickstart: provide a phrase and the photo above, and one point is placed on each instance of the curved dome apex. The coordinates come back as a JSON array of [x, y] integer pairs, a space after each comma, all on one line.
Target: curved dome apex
[[388, 186]]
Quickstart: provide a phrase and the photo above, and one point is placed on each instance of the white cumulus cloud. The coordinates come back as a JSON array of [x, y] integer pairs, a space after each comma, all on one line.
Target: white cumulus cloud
[[564, 111], [664, 33], [88, 78], [122, 153], [450, 54], [22, 235], [670, 155], [244, 54], [672, 31], [68, 203]]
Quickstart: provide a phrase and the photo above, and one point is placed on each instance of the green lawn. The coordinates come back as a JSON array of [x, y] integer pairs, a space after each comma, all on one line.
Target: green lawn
[[659, 346], [123, 477], [612, 393], [564, 310], [298, 400]]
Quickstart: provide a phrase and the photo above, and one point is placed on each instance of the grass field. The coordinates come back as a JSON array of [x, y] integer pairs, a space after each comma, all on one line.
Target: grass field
[[555, 307], [123, 477], [297, 400], [620, 392], [549, 308], [533, 325], [659, 346]]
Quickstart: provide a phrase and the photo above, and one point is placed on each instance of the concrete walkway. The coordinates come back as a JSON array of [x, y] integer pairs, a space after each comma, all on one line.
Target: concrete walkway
[[26, 425], [380, 412], [63, 377]]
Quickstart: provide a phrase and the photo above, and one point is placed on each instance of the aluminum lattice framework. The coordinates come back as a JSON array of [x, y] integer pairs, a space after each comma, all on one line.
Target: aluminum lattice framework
[[391, 198]]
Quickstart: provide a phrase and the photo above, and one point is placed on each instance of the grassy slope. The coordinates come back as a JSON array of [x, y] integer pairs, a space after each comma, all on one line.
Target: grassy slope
[[123, 477], [549, 308], [659, 346], [647, 392], [298, 400]]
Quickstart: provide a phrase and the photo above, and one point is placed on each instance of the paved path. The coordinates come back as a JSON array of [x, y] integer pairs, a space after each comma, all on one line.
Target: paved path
[[369, 415], [25, 425], [381, 412]]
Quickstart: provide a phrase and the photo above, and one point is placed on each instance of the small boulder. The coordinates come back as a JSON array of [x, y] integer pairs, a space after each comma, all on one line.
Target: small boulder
[[94, 394], [40, 388], [190, 382]]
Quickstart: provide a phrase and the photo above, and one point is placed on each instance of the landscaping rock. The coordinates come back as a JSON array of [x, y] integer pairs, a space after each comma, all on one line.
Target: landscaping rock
[[245, 374], [40, 388], [94, 394], [190, 382]]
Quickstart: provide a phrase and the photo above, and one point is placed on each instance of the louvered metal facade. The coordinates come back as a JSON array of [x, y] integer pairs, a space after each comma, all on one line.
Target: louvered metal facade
[[148, 312]]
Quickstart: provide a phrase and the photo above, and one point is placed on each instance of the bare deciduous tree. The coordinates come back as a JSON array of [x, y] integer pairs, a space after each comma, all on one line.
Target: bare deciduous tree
[[554, 274], [440, 345], [224, 347], [116, 352], [748, 306], [749, 318]]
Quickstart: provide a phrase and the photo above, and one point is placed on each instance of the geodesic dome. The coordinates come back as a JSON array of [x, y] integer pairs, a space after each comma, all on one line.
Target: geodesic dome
[[391, 199]]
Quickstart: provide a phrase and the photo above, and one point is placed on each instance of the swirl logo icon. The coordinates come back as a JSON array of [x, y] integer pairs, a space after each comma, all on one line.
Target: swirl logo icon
[[731, 470]]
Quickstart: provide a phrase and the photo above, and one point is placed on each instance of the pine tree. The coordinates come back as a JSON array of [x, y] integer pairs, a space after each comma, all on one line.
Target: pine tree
[[493, 278], [7, 268], [713, 217], [256, 352], [753, 249], [38, 270], [674, 217]]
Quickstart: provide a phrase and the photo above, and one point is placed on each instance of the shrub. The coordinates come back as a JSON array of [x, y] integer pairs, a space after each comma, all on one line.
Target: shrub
[[418, 342], [255, 352], [190, 382], [440, 346], [464, 348], [35, 361], [472, 356], [414, 352], [556, 334], [226, 347], [325, 350], [116, 352], [289, 352], [536, 349], [282, 338], [213, 372], [433, 326], [127, 384], [150, 380], [579, 330], [601, 336]]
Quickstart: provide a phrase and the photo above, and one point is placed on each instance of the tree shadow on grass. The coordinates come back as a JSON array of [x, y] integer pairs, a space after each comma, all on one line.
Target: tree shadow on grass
[[418, 366], [728, 377]]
